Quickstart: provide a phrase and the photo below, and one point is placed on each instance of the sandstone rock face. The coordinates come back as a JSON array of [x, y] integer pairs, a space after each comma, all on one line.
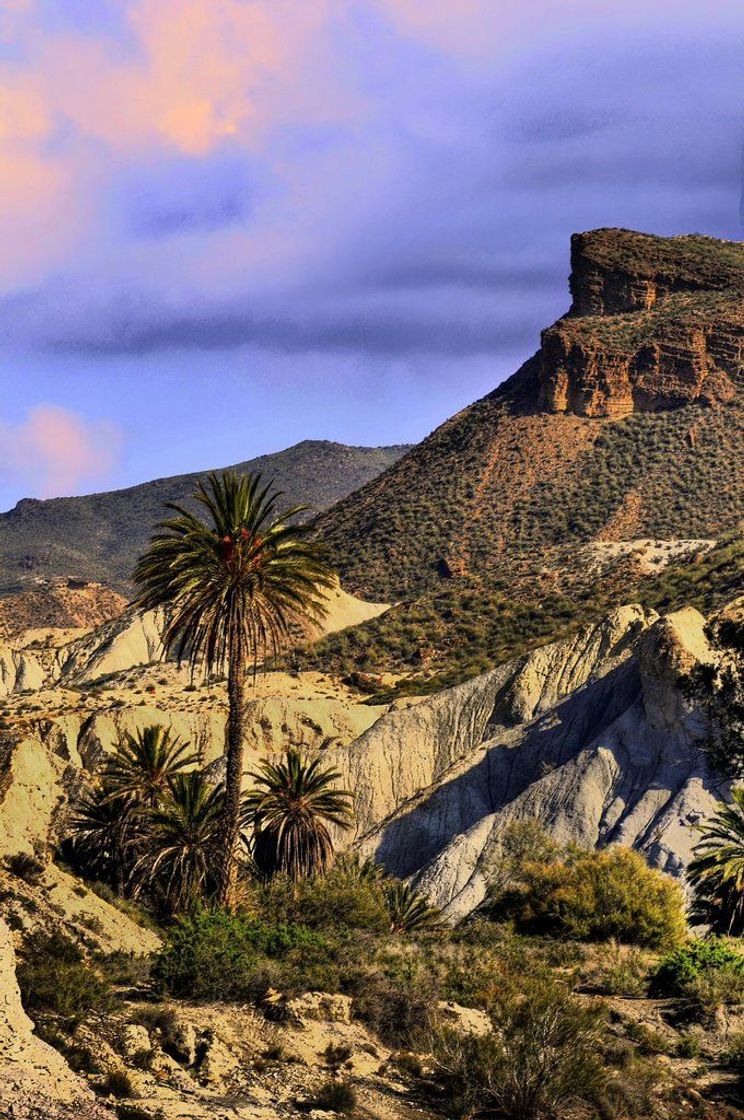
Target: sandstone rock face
[[591, 736], [35, 1081], [655, 323], [19, 670], [130, 640]]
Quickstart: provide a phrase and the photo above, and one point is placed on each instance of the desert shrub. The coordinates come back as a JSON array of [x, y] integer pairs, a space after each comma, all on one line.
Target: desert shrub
[[337, 1054], [595, 896], [544, 1055], [117, 1084], [647, 1040], [53, 976], [632, 1090], [733, 1055], [523, 842], [681, 972], [336, 1096], [717, 988], [400, 1013], [339, 899], [78, 1057], [25, 866], [133, 1112], [620, 971], [689, 1045], [125, 968], [217, 955]]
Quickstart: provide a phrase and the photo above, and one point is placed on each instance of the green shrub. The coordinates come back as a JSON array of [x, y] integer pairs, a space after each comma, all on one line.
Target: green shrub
[[337, 900], [53, 976], [544, 1055], [336, 1096], [679, 972], [597, 895], [217, 955]]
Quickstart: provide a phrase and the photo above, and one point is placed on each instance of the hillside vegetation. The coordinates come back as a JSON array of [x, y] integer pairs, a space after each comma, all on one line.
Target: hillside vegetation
[[98, 537], [627, 423]]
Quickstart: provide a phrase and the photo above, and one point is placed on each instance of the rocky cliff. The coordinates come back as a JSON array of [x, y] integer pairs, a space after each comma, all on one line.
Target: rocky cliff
[[592, 735], [655, 323], [35, 1081]]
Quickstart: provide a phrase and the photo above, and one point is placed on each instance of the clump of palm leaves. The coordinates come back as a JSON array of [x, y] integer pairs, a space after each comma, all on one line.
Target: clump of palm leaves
[[717, 871], [289, 813], [144, 763], [233, 586], [153, 824], [409, 911]]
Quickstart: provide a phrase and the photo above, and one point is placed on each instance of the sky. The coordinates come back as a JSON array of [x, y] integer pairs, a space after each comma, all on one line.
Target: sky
[[229, 225]]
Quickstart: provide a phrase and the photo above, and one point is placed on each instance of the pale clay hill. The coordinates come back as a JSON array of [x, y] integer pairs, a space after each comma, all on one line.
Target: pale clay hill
[[591, 735]]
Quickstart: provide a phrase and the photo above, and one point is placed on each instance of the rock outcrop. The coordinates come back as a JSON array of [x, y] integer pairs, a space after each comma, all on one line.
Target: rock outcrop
[[592, 736], [35, 1081], [655, 323], [19, 670]]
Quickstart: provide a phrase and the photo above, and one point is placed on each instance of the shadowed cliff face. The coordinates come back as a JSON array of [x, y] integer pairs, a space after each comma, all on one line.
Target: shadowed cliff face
[[655, 323], [591, 736]]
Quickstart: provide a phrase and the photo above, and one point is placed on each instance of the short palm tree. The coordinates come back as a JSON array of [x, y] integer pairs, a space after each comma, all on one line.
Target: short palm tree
[[289, 810], [232, 587], [106, 832], [184, 833], [717, 871], [408, 910], [143, 764]]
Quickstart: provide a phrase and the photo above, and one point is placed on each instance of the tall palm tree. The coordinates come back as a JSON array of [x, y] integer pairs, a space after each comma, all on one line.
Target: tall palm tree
[[232, 587], [184, 833], [717, 871], [290, 811], [142, 764]]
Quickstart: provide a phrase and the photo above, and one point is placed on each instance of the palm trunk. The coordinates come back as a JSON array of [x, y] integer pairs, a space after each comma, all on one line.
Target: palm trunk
[[228, 872]]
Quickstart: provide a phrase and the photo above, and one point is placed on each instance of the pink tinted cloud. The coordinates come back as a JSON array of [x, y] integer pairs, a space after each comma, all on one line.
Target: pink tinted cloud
[[55, 452], [203, 71], [74, 108]]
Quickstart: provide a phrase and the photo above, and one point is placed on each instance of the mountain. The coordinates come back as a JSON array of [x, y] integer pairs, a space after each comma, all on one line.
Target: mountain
[[98, 537], [627, 423], [516, 519]]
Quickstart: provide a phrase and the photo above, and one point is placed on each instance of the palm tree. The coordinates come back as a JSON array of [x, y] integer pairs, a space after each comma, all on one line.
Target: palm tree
[[717, 871], [143, 764], [290, 811], [184, 833], [408, 910], [232, 588], [106, 831]]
